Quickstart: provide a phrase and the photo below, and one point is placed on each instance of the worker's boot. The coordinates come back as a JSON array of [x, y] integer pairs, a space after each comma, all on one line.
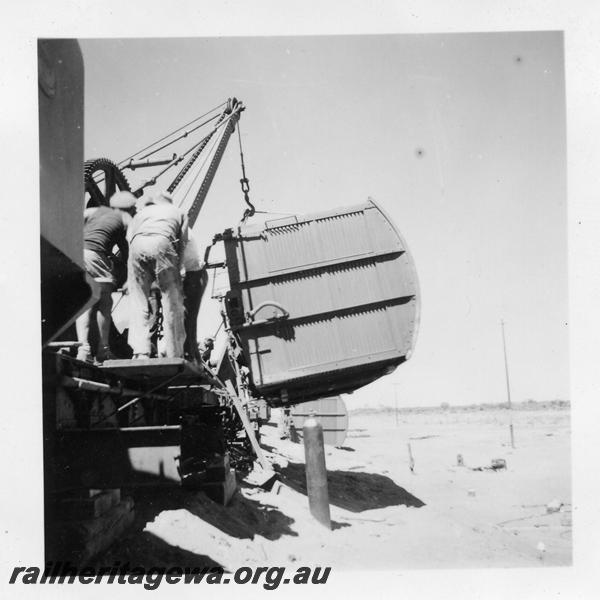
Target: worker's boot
[[84, 353], [104, 354]]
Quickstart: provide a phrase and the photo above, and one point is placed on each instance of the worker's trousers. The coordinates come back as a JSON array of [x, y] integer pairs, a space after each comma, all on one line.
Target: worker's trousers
[[153, 258]]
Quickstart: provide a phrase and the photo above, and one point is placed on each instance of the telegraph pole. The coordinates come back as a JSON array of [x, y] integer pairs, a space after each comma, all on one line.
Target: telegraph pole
[[512, 436]]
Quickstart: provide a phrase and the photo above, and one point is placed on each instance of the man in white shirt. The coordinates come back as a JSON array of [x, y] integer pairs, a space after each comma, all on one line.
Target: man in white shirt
[[157, 238]]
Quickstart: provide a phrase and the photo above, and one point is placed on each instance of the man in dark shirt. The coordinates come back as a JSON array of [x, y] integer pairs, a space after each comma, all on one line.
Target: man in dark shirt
[[104, 229]]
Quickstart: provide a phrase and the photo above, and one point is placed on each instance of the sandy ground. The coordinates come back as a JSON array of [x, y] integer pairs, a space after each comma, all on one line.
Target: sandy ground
[[384, 516]]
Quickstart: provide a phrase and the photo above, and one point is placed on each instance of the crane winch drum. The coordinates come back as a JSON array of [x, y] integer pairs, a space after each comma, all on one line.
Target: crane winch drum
[[322, 304]]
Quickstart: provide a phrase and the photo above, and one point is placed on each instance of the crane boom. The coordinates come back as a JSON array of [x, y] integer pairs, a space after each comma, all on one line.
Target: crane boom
[[192, 212], [223, 129]]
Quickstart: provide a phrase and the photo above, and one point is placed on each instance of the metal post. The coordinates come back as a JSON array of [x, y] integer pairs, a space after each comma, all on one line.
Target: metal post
[[316, 471], [512, 436]]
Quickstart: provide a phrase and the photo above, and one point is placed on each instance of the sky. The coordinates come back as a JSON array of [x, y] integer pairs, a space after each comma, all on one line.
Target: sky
[[460, 137]]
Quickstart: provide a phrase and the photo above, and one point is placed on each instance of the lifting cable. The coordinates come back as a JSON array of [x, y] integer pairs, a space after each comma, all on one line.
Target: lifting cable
[[198, 147], [177, 159], [223, 120], [244, 181], [124, 164], [180, 137], [173, 133]]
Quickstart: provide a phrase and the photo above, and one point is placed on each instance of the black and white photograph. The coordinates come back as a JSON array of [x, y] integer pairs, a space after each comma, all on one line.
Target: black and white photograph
[[306, 310]]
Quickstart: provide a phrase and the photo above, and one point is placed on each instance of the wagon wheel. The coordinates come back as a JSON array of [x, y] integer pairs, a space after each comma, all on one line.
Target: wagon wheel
[[102, 179]]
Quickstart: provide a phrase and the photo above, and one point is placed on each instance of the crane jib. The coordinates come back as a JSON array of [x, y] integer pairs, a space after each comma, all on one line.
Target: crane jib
[[198, 201]]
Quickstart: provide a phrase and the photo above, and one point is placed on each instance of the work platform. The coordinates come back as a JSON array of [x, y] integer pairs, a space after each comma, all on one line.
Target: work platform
[[155, 370]]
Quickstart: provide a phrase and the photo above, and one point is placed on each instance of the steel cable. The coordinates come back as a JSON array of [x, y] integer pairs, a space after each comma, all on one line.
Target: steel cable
[[172, 133], [183, 135], [195, 178], [200, 145]]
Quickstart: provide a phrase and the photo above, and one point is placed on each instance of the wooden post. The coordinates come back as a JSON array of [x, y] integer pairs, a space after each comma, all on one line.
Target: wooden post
[[411, 460]]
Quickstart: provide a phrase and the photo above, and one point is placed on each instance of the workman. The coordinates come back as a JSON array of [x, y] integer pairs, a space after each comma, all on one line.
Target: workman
[[206, 348], [194, 284], [154, 298], [157, 238], [104, 229]]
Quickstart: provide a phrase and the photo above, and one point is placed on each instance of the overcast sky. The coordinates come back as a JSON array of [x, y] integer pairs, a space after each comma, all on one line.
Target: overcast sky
[[460, 137]]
